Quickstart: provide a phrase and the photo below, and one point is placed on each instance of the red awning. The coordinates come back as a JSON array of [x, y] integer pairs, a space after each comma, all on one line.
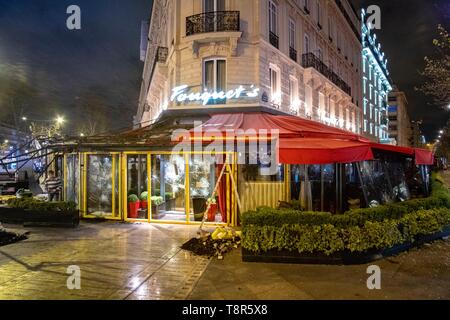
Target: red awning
[[302, 141], [424, 157], [322, 151], [391, 148]]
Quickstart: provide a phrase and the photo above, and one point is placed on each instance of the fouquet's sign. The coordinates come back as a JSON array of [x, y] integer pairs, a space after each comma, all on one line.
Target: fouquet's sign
[[181, 94]]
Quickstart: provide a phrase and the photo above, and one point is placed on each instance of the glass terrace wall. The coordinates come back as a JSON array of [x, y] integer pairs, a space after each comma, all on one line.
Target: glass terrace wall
[[151, 186], [170, 187]]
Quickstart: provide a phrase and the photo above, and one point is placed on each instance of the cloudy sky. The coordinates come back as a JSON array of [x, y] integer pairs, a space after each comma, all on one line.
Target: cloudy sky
[[65, 66]]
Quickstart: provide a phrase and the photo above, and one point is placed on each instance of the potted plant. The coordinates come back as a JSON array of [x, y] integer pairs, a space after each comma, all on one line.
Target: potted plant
[[156, 202], [212, 211], [144, 200], [133, 206]]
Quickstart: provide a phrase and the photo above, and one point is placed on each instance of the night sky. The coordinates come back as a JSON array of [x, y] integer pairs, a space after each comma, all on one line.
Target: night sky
[[64, 71], [408, 28]]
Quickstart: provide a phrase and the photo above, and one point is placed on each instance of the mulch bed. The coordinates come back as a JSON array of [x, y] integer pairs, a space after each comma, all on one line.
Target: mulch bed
[[211, 248], [10, 238]]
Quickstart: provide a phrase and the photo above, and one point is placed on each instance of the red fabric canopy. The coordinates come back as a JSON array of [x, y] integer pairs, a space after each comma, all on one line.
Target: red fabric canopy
[[322, 151], [303, 141], [424, 157]]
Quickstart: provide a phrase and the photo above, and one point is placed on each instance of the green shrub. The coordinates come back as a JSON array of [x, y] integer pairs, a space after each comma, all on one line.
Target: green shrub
[[157, 201], [31, 204], [144, 196], [359, 230], [132, 198]]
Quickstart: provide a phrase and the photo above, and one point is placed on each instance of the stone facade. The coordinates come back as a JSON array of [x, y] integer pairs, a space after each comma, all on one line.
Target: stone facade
[[399, 121], [312, 47]]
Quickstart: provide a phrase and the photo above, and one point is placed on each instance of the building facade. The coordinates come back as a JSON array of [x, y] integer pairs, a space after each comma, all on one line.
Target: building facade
[[376, 87], [300, 57], [399, 121]]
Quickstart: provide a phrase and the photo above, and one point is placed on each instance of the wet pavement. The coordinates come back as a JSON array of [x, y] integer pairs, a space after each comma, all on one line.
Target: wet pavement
[[422, 273], [116, 261]]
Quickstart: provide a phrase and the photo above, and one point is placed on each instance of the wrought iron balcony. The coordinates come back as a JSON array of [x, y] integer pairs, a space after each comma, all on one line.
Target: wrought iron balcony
[[217, 21], [274, 40], [309, 60], [293, 54]]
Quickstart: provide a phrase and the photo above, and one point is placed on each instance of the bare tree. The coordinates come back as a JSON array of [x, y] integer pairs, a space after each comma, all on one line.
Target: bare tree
[[437, 70]]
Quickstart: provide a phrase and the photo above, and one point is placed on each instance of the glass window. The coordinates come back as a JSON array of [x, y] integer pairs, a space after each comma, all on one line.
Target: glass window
[[215, 77], [314, 186], [73, 178], [273, 18], [168, 196], [137, 186], [214, 5], [99, 188], [319, 13], [292, 34], [275, 84], [306, 48], [204, 173]]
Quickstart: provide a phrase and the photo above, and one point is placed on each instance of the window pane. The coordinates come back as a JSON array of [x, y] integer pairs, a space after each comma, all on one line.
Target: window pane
[[99, 185], [220, 5], [204, 173], [168, 188], [209, 5], [209, 75], [221, 75], [137, 185]]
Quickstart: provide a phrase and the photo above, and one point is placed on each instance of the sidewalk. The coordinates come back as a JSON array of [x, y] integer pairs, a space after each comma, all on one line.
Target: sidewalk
[[117, 261], [419, 274]]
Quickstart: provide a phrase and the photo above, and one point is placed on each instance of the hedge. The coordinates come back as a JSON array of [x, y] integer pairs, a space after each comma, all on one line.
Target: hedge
[[356, 231], [31, 204]]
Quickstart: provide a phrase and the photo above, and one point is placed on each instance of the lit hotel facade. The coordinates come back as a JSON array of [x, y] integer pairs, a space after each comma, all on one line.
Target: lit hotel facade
[[376, 88], [298, 57]]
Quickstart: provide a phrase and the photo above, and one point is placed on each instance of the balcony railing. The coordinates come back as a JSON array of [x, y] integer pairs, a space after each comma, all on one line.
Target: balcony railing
[[293, 54], [274, 39], [218, 21], [309, 60]]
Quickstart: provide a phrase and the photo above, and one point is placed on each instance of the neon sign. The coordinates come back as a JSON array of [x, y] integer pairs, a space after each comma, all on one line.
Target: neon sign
[[180, 94]]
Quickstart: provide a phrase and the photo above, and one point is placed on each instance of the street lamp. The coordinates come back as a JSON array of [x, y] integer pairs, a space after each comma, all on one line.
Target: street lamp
[[24, 118], [441, 132], [59, 120], [81, 134]]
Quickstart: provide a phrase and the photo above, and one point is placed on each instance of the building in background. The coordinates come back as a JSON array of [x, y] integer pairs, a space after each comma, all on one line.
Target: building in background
[[293, 57], [418, 139], [399, 120], [376, 85]]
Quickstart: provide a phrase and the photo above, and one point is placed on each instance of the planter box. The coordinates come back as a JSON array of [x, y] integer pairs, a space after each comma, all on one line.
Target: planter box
[[340, 258], [11, 216], [156, 214], [68, 219]]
